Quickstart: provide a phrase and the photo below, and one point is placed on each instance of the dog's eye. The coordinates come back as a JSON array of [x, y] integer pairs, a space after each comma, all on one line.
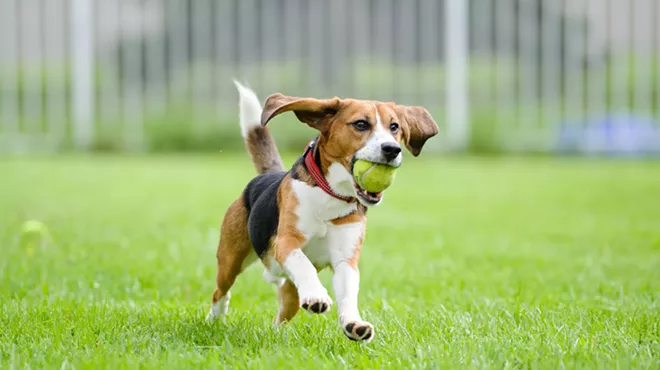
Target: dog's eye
[[394, 128], [361, 125]]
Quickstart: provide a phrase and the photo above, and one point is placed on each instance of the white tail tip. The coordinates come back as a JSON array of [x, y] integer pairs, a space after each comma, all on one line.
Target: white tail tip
[[249, 108]]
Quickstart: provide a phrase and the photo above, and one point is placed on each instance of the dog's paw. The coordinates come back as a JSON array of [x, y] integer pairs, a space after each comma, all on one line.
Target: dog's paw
[[316, 303], [359, 331]]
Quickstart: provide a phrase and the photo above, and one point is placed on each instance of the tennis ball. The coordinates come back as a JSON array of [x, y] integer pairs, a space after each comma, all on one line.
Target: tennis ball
[[373, 177], [34, 233]]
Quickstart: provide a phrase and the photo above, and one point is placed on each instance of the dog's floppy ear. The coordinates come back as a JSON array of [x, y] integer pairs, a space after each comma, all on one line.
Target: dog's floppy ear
[[417, 126], [313, 112]]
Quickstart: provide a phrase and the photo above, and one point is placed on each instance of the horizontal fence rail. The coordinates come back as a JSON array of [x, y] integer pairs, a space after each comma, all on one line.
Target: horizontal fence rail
[[563, 76]]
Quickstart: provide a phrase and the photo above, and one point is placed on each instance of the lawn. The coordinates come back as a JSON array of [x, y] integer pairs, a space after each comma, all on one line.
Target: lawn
[[469, 262]]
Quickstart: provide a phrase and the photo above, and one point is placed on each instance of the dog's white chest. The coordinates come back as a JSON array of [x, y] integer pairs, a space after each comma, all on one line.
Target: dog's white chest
[[315, 211], [315, 225], [338, 244], [316, 208], [317, 251]]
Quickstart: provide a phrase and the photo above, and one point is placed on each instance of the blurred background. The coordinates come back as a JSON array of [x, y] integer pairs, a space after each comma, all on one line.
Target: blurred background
[[533, 76]]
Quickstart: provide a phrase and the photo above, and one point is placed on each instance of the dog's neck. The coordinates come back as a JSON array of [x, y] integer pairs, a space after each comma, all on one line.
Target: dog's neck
[[333, 169], [324, 158]]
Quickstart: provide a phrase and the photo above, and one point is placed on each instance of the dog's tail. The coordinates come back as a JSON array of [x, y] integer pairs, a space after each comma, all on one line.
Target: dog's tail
[[259, 142]]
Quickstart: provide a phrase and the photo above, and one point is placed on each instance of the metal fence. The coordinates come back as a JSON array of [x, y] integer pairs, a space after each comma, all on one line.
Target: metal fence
[[529, 75]]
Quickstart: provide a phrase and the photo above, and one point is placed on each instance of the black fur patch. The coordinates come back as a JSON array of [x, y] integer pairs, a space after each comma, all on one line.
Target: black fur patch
[[260, 198]]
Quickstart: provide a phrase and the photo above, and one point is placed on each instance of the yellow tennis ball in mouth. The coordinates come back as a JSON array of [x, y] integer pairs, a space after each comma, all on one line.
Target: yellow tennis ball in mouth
[[373, 177]]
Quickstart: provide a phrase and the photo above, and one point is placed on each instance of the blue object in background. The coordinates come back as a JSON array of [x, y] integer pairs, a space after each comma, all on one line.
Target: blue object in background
[[613, 135]]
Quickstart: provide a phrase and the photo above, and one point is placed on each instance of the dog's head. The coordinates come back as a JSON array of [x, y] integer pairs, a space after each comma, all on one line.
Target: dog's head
[[353, 129]]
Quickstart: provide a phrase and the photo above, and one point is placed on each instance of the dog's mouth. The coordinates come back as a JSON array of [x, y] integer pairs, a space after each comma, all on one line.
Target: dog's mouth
[[366, 196]]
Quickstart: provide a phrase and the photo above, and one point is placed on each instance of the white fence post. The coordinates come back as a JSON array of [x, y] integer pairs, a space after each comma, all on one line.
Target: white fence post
[[9, 108], [82, 74], [456, 33]]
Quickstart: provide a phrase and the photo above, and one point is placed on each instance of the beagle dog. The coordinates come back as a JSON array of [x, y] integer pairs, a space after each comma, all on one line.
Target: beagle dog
[[313, 216]]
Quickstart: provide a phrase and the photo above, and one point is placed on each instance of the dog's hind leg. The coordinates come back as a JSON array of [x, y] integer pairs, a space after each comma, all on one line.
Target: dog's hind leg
[[287, 294], [234, 254]]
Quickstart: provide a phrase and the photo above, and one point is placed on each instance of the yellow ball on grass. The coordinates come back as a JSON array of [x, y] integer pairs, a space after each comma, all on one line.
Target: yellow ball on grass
[[34, 234], [34, 226], [373, 177]]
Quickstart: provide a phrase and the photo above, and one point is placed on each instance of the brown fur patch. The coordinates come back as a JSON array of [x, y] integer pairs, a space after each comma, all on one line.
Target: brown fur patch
[[288, 237], [233, 248], [289, 302], [262, 149], [351, 218], [418, 126], [340, 142], [308, 110]]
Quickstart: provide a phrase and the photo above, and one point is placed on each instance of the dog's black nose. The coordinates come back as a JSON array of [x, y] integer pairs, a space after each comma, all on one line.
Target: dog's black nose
[[390, 150]]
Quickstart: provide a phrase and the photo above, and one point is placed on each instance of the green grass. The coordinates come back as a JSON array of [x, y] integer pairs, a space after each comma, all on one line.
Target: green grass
[[470, 262]]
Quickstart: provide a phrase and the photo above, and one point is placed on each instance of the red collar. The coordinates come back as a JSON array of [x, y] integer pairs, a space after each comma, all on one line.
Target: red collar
[[318, 177]]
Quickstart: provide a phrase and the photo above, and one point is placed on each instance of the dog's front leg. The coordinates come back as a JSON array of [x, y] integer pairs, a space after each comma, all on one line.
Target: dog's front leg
[[345, 243], [312, 294], [346, 284]]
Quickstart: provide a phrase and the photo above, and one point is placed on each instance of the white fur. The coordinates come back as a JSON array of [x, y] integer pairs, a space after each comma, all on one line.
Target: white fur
[[249, 108], [304, 276], [315, 211], [379, 121], [346, 284], [326, 243], [342, 241], [372, 150], [340, 180], [278, 280], [219, 309], [316, 207]]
